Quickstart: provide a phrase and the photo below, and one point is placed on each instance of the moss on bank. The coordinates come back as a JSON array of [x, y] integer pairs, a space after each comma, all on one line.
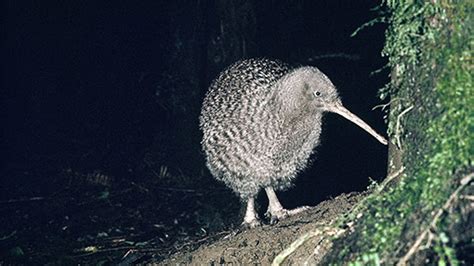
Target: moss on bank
[[429, 46]]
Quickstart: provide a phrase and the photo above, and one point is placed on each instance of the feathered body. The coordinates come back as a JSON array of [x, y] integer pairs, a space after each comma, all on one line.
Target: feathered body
[[261, 121], [257, 133]]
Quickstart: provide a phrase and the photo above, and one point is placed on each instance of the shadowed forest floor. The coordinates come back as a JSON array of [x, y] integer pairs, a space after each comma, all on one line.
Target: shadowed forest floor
[[90, 219]]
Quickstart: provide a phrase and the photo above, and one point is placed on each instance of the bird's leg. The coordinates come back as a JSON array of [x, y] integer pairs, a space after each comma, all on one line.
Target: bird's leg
[[275, 210], [251, 217]]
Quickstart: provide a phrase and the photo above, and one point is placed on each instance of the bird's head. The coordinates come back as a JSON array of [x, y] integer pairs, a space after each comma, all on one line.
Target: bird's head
[[309, 90]]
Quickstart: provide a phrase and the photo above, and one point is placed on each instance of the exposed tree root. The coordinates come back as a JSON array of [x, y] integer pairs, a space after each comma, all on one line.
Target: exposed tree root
[[322, 232]]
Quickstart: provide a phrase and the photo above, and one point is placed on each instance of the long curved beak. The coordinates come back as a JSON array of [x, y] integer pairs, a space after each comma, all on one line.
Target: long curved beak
[[338, 108]]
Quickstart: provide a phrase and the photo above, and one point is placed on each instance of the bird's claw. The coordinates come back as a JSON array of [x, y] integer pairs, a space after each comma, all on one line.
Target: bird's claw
[[251, 224], [276, 215]]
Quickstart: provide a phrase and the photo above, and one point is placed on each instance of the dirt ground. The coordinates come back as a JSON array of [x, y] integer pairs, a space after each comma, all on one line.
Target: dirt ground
[[261, 245], [93, 219]]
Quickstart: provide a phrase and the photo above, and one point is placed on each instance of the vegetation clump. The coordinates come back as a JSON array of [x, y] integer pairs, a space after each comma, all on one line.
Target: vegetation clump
[[431, 122]]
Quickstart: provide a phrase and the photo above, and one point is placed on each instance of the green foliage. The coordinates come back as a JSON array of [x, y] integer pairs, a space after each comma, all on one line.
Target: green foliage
[[429, 45], [446, 254]]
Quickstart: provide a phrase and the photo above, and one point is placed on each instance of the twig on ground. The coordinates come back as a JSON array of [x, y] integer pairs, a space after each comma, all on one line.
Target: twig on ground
[[351, 57], [385, 105], [324, 232], [382, 106], [414, 248], [22, 200], [397, 127], [390, 178], [200, 240], [130, 248], [185, 190], [468, 197], [8, 236]]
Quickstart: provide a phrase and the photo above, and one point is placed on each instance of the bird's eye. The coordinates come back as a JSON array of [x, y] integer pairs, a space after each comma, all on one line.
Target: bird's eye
[[317, 93]]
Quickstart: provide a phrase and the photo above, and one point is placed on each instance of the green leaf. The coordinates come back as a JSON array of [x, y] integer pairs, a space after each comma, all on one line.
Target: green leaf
[[17, 252]]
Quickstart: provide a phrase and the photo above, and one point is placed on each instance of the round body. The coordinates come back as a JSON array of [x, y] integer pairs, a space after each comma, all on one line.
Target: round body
[[253, 138]]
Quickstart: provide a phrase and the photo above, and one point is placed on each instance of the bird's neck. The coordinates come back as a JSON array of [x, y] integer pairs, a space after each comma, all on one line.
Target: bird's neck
[[292, 116], [289, 105]]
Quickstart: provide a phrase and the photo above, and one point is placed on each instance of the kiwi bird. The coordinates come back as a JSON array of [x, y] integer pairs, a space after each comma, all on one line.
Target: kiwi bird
[[261, 121]]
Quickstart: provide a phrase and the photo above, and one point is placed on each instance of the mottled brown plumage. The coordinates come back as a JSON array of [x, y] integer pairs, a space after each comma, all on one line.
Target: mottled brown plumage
[[261, 121]]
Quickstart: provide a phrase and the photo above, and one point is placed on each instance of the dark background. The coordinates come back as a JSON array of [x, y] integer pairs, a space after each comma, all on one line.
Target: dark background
[[115, 88]]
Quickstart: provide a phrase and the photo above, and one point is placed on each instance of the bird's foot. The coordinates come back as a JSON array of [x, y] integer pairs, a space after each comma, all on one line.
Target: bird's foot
[[251, 219], [278, 214], [250, 223]]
